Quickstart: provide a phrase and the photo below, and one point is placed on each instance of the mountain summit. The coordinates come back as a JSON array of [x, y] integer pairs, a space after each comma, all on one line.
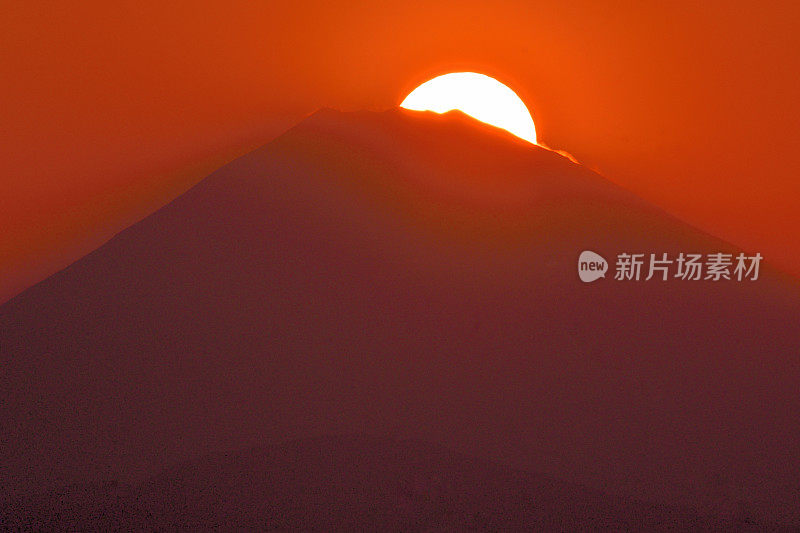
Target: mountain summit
[[409, 275]]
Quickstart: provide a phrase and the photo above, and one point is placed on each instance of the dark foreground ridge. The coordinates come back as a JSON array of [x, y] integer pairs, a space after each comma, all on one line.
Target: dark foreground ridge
[[346, 484], [412, 276]]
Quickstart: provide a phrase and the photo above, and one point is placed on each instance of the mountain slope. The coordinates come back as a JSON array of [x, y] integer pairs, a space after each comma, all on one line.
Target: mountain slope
[[406, 274]]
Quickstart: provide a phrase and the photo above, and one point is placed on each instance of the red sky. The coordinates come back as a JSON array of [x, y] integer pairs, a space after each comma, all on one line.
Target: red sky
[[111, 109]]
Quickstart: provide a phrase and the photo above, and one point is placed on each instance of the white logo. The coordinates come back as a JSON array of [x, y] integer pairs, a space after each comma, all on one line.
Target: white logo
[[591, 266], [716, 266]]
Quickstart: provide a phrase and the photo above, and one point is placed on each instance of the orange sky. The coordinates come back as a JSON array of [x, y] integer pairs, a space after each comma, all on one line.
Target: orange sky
[[110, 109]]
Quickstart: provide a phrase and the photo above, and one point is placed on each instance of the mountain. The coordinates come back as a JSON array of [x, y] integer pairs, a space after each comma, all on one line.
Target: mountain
[[413, 276]]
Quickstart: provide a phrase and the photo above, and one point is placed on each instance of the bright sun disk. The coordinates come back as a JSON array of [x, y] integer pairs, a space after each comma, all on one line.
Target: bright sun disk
[[479, 96]]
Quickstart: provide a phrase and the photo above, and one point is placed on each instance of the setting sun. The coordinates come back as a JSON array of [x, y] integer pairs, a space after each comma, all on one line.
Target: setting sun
[[479, 96]]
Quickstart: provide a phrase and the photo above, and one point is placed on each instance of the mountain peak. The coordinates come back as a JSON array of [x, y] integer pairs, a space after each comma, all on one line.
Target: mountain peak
[[454, 122], [450, 152]]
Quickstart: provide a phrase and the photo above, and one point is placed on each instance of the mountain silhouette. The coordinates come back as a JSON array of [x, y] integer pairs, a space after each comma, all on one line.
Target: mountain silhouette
[[413, 276]]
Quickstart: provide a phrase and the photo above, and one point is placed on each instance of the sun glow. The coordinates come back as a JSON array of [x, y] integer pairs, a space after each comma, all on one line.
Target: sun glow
[[479, 96]]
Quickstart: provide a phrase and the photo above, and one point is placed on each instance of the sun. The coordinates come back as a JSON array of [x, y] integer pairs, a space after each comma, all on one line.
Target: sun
[[479, 96]]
